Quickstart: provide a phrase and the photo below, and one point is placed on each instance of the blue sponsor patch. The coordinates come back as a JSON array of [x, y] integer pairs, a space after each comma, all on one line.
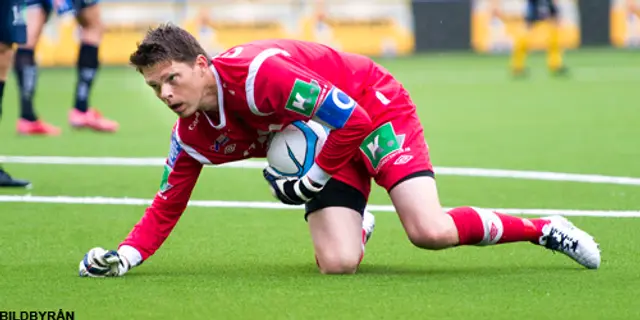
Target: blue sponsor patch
[[174, 151], [336, 109]]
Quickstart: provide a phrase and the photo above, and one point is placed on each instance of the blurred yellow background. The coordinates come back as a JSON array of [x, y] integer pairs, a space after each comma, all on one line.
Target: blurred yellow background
[[625, 23], [371, 27], [491, 34]]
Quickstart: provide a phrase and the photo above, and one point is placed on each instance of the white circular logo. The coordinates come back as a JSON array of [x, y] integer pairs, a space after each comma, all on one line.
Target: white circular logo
[[338, 97]]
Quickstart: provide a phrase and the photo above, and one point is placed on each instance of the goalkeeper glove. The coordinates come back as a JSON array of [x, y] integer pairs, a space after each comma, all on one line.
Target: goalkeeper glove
[[293, 191], [99, 263]]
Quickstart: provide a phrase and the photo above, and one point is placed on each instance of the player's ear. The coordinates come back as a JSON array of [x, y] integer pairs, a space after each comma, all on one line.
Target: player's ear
[[203, 64]]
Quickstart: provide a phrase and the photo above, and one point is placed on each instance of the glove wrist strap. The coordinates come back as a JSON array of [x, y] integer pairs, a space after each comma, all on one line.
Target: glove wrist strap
[[318, 175], [311, 185], [131, 254]]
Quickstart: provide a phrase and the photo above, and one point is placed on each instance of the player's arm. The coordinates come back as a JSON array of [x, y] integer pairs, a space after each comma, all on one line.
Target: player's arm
[[167, 207], [554, 7], [286, 88], [181, 173], [495, 10]]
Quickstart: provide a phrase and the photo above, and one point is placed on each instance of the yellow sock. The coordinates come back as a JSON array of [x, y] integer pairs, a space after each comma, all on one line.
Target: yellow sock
[[554, 53], [519, 54]]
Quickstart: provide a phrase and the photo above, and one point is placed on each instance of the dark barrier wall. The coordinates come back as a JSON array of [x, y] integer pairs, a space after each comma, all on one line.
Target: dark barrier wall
[[442, 25], [595, 23], [445, 25]]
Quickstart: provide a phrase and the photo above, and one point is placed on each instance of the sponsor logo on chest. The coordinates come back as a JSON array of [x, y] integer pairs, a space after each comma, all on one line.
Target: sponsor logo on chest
[[219, 143]]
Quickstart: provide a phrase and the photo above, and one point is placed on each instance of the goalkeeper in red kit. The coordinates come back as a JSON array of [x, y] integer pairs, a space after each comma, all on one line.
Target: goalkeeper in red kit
[[242, 95]]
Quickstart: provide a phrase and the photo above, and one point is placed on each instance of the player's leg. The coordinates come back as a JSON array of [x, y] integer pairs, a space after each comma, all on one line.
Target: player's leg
[[12, 30], [521, 42], [26, 71], [407, 174], [554, 51], [520, 52], [429, 227], [6, 57], [92, 28], [336, 233], [336, 223]]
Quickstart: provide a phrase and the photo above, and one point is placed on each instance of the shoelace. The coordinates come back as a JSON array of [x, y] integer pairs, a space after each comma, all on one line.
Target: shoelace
[[558, 240]]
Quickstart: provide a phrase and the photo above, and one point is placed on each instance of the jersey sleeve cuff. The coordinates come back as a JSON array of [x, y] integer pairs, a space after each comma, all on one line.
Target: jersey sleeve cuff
[[131, 254], [318, 175]]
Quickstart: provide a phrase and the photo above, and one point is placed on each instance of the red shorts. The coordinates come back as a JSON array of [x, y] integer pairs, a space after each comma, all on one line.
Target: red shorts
[[394, 150]]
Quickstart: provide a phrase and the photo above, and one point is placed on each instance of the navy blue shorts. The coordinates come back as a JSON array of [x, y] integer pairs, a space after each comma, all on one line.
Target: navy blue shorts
[[62, 6], [13, 26], [538, 10]]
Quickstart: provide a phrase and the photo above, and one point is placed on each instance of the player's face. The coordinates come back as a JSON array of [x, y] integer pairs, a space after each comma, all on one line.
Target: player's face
[[179, 85]]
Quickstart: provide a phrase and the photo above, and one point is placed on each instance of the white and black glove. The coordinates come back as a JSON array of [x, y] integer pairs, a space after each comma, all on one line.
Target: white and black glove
[[100, 263], [291, 190]]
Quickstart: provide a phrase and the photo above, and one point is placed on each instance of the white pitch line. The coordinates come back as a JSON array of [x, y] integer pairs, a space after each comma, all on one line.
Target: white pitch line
[[280, 206], [469, 172], [88, 161]]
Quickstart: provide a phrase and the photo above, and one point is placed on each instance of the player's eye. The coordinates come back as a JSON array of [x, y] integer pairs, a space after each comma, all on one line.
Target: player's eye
[[171, 78]]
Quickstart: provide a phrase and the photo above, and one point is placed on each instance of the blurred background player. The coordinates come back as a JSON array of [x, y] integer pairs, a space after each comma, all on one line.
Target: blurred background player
[[12, 30], [87, 14], [537, 11]]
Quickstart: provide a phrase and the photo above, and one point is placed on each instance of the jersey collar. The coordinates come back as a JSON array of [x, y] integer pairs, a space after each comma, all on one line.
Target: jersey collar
[[223, 118]]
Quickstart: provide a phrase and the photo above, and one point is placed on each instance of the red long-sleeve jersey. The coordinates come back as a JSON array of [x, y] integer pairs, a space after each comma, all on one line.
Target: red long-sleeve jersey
[[262, 87], [276, 82]]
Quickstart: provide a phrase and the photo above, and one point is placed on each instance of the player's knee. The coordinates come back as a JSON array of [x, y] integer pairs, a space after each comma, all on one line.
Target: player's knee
[[429, 236], [337, 263], [92, 32], [92, 26], [5, 48], [436, 233], [427, 226], [5, 59]]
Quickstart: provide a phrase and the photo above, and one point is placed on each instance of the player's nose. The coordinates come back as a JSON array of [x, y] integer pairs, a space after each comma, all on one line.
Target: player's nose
[[166, 93]]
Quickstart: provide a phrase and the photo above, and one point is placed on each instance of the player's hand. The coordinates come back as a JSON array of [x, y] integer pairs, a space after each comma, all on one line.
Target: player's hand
[[293, 191], [99, 263]]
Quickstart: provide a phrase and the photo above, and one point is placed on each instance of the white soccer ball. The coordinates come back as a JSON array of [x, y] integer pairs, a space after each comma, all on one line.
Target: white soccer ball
[[293, 150]]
